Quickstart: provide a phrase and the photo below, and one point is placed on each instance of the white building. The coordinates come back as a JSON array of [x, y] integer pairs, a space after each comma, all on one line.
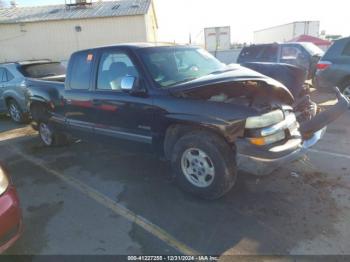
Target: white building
[[286, 32], [54, 32]]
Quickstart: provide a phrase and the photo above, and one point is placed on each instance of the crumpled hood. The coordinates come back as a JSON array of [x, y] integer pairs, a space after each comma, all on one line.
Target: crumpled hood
[[235, 74]]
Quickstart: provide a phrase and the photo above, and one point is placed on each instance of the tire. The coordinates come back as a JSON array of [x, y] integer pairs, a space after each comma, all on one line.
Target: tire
[[50, 137], [213, 170], [16, 112], [345, 88]]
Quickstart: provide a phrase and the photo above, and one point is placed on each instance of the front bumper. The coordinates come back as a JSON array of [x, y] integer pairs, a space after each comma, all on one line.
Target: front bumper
[[264, 160], [10, 219]]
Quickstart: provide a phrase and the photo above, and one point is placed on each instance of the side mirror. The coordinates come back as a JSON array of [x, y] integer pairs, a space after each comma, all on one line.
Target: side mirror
[[132, 85], [128, 83]]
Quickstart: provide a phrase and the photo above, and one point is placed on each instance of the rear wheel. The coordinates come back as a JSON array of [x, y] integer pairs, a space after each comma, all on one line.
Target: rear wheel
[[345, 88], [15, 112], [204, 164], [49, 136]]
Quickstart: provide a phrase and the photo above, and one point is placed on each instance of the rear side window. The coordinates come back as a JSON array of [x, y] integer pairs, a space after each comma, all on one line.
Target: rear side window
[[9, 75], [2, 75], [346, 50], [5, 75], [43, 70], [269, 53], [250, 53], [81, 71]]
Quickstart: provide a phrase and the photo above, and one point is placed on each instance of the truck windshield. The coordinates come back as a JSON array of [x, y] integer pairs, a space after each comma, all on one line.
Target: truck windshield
[[43, 70], [170, 66]]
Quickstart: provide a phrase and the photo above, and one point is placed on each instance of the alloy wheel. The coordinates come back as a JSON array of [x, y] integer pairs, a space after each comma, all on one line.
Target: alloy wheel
[[198, 167], [45, 134], [14, 112], [346, 91]]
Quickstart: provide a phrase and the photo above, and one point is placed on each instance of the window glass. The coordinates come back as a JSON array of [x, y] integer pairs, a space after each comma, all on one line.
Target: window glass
[[250, 52], [269, 53], [8, 75], [171, 66], [313, 49], [290, 52], [113, 67], [43, 70], [346, 50], [2, 75], [81, 71]]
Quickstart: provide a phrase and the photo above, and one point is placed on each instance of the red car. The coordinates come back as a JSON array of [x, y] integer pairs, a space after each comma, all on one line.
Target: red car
[[10, 212]]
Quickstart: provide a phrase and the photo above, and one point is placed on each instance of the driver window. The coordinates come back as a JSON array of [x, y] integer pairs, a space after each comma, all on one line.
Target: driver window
[[113, 67]]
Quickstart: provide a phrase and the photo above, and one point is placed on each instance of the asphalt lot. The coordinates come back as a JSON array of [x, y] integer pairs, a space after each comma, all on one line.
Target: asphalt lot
[[97, 199]]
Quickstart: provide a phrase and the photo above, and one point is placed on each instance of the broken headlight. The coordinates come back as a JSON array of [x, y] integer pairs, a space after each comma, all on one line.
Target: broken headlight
[[265, 120], [262, 141]]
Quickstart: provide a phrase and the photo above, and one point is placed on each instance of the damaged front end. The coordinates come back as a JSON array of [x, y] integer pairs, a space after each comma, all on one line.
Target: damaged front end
[[264, 157], [279, 131]]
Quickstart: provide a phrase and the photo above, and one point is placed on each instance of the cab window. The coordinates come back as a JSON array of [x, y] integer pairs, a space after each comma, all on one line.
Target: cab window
[[81, 71], [112, 68]]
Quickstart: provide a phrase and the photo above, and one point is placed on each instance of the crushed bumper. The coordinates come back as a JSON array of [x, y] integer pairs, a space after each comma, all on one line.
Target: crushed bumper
[[264, 163], [10, 219], [264, 160]]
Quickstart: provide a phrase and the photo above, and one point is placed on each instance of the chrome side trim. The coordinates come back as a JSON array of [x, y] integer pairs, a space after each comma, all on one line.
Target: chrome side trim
[[124, 135]]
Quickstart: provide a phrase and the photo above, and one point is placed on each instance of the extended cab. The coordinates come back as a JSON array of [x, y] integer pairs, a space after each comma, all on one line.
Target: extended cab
[[203, 116]]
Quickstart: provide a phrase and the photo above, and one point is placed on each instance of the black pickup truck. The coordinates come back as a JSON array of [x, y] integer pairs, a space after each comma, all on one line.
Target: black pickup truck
[[205, 117]]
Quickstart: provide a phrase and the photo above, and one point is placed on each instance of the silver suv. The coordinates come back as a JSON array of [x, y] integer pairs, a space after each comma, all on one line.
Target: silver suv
[[13, 89]]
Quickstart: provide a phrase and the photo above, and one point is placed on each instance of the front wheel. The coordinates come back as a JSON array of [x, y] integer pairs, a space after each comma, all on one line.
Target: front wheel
[[49, 136], [204, 164]]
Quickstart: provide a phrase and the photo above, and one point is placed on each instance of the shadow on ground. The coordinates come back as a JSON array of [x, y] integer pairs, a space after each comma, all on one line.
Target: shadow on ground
[[267, 215]]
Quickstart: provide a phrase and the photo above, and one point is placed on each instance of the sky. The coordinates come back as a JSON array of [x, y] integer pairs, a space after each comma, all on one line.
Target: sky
[[179, 18]]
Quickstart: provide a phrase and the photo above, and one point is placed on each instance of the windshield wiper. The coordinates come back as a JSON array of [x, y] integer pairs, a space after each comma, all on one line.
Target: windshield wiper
[[183, 81], [48, 75], [221, 71]]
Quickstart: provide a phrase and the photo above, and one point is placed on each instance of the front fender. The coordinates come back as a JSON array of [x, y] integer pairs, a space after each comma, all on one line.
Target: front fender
[[21, 98], [230, 130]]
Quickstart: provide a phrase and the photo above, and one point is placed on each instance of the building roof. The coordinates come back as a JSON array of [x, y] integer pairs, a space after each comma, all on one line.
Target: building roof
[[62, 12], [311, 39]]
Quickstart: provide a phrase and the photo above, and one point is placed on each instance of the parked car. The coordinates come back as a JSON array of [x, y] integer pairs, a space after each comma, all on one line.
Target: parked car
[[334, 67], [13, 91], [10, 212], [200, 114], [304, 55]]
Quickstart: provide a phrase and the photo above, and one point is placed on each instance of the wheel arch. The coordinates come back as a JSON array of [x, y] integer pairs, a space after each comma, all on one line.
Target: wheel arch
[[38, 109], [175, 131], [344, 80], [8, 99]]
